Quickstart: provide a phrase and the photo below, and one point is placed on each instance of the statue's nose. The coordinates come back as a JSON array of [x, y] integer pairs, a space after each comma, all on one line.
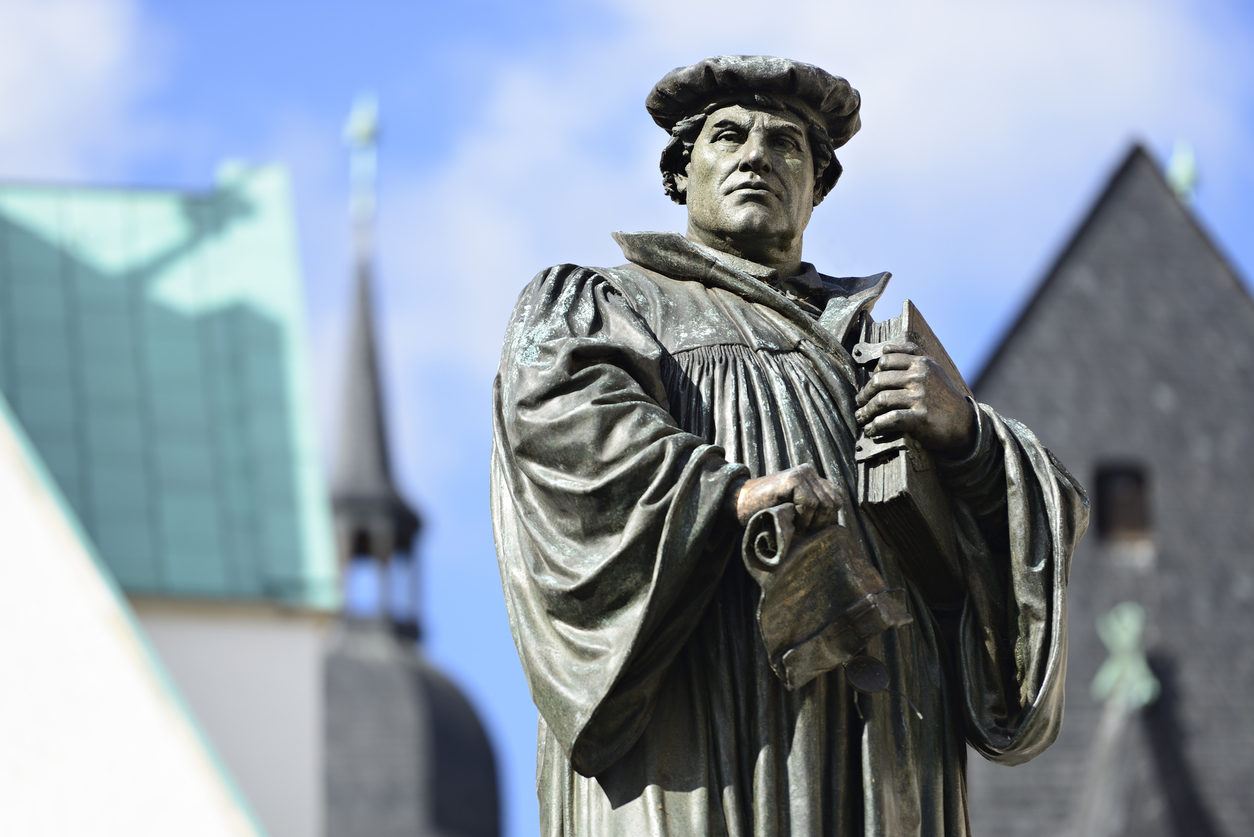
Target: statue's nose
[[754, 156]]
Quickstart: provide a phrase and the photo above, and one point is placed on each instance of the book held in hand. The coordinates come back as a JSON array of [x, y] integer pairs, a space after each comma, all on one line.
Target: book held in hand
[[898, 485]]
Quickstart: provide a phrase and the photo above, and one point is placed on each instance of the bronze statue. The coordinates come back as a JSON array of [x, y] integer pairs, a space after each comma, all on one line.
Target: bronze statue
[[722, 630]]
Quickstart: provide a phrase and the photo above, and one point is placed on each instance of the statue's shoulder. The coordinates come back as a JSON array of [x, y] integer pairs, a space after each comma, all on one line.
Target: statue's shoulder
[[633, 280], [568, 293], [570, 281]]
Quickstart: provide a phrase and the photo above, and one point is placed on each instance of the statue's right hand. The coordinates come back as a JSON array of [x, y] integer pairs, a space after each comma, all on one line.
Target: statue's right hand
[[818, 501]]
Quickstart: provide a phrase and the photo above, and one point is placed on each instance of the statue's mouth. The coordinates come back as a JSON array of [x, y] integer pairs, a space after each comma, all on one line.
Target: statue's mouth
[[754, 186]]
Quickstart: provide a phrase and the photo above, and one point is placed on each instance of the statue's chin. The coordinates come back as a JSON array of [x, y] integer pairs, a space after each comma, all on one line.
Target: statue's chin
[[747, 232]]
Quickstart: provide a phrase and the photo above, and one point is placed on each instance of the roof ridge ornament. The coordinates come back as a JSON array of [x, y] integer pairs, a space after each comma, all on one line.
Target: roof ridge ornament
[[1181, 171]]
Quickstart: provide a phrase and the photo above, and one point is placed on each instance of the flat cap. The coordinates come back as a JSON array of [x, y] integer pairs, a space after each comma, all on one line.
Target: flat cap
[[686, 90]]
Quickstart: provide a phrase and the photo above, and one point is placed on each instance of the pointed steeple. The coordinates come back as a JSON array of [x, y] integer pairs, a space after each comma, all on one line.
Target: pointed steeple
[[369, 510], [372, 519]]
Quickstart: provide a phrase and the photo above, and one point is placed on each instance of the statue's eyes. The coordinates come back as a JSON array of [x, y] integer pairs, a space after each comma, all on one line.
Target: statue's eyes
[[786, 142], [726, 135]]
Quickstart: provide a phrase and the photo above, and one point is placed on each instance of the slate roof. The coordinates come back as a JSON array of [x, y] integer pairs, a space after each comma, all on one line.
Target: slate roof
[[152, 346], [406, 754], [1138, 347]]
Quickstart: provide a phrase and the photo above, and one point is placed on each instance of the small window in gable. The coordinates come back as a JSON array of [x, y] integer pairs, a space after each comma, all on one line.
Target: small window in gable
[[1122, 502]]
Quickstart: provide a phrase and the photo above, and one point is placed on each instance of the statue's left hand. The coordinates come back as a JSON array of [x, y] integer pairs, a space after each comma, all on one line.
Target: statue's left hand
[[910, 393]]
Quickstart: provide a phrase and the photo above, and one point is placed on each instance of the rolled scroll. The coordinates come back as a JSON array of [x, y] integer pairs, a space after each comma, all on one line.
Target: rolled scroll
[[822, 599]]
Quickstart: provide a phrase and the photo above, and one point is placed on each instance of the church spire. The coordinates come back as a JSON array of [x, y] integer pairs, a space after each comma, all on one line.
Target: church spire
[[372, 519]]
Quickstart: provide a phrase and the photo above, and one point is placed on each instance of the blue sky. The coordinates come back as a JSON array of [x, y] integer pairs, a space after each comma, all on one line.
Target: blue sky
[[514, 137]]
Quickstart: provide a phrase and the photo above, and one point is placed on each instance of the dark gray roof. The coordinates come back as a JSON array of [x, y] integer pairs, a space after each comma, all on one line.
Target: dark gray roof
[[406, 754], [1138, 347], [371, 516]]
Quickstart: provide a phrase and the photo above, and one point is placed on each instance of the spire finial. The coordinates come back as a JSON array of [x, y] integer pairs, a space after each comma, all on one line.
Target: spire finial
[[361, 134]]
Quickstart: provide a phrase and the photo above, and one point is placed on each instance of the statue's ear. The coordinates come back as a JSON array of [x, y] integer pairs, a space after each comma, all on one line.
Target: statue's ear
[[681, 184]]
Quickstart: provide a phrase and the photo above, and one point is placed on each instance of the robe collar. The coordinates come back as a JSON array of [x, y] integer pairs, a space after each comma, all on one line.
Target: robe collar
[[836, 303]]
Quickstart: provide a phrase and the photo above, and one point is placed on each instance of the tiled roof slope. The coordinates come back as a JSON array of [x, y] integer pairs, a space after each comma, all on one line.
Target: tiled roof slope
[[1139, 348], [152, 346]]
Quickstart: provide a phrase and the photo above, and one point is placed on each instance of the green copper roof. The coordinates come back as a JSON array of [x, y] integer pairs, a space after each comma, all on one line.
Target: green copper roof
[[152, 345]]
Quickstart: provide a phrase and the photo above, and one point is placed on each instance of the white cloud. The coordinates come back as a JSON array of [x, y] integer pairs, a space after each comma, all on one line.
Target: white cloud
[[70, 73]]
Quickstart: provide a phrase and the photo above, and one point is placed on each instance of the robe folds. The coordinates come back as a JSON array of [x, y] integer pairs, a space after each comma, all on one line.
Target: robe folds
[[630, 401]]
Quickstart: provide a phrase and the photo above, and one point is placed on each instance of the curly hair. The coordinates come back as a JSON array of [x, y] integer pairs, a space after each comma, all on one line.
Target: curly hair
[[678, 150]]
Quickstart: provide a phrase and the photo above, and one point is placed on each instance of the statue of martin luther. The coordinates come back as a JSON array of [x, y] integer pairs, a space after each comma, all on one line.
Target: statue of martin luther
[[646, 414]]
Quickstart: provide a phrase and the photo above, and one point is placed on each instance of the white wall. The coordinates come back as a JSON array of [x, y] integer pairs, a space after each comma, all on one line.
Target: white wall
[[252, 675], [92, 740]]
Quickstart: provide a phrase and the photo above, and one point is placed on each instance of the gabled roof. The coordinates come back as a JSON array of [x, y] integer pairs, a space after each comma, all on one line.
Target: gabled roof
[[152, 346], [1137, 163], [1136, 350]]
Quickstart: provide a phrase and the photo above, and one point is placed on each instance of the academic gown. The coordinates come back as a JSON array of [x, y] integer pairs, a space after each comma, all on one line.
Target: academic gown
[[629, 402]]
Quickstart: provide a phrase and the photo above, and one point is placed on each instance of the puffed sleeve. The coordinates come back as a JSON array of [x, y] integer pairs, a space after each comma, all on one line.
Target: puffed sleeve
[[610, 521]]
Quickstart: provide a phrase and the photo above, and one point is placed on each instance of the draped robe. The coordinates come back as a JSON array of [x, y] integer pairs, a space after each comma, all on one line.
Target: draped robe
[[630, 401]]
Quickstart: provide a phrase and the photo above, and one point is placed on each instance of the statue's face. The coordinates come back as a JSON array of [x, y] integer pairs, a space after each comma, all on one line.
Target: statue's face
[[750, 179]]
